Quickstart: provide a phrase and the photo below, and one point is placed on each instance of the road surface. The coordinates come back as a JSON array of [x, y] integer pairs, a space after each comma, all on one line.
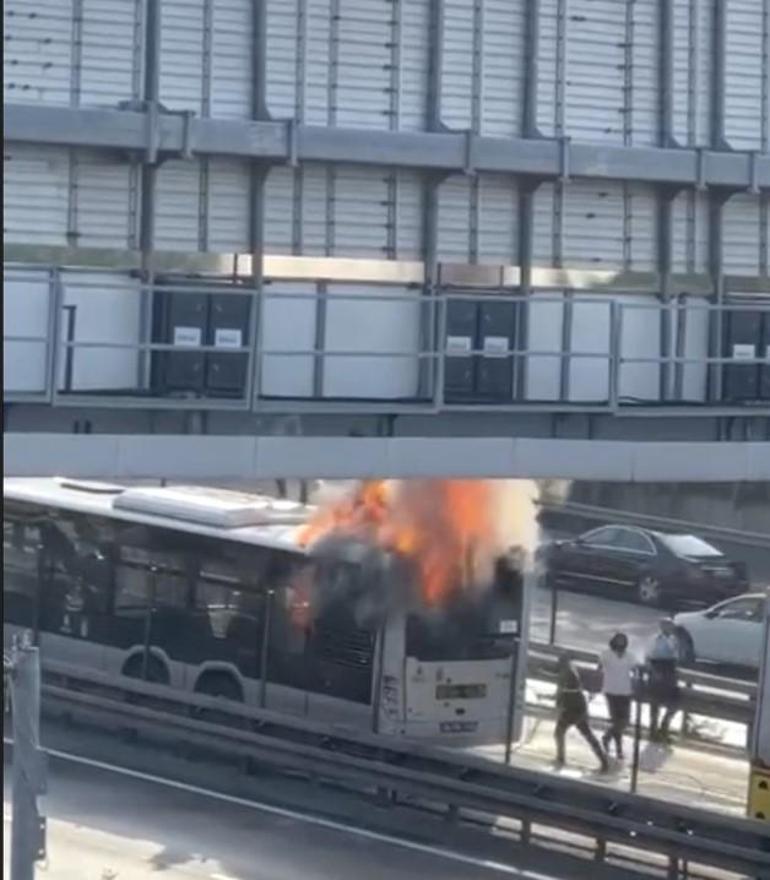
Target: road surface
[[107, 825]]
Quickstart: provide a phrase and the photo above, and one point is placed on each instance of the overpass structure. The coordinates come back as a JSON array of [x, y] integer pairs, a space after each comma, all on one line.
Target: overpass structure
[[310, 236]]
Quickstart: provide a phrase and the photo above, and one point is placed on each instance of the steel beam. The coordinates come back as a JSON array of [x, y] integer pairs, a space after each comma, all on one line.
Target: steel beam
[[436, 150]]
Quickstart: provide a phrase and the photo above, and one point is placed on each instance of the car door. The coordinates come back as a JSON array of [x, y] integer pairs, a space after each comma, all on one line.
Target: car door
[[632, 553], [732, 632], [584, 561]]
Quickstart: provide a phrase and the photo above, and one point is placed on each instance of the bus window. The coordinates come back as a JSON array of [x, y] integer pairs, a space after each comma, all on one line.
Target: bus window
[[21, 559], [464, 631]]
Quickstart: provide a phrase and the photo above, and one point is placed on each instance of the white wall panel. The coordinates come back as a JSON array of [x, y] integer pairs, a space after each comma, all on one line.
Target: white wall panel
[[177, 206], [690, 232], [228, 206], [747, 74], [551, 61], [26, 305], [454, 227], [371, 327], [459, 92], [544, 334], [589, 376], [35, 194], [108, 308], [693, 23], [413, 80], [43, 64], [360, 212], [182, 54], [288, 324], [696, 345], [741, 235], [640, 338]]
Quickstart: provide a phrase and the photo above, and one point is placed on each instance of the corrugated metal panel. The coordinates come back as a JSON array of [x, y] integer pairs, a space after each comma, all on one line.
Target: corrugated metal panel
[[106, 201], [279, 210], [35, 194], [462, 37], [690, 232], [316, 62], [178, 206], [741, 235], [371, 327], [746, 66], [111, 57], [284, 32], [764, 223], [107, 309], [26, 304], [596, 36], [53, 59], [415, 24], [608, 226], [232, 62], [544, 334], [37, 63], [361, 212], [640, 338], [643, 77], [589, 376], [498, 219], [454, 227], [362, 40], [288, 324], [502, 78], [409, 214], [546, 225], [182, 65], [228, 206], [550, 59], [693, 22]]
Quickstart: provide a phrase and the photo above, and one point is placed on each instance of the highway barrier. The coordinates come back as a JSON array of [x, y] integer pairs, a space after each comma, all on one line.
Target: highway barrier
[[464, 788]]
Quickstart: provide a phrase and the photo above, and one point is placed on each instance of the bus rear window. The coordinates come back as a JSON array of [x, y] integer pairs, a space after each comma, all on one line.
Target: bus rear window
[[464, 633]]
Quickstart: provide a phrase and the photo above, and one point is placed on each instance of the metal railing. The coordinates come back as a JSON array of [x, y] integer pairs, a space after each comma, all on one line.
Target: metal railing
[[284, 350], [464, 788]]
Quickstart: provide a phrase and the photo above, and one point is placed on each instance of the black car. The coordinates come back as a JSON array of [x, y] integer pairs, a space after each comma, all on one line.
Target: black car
[[641, 565]]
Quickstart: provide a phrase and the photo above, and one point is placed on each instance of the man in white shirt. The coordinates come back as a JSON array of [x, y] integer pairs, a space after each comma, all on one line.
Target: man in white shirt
[[618, 667]]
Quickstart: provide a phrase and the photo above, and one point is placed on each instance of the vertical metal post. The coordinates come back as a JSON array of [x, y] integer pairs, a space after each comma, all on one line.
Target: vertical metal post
[[27, 827], [377, 673], [148, 625], [639, 680], [511, 700], [554, 611], [718, 140], [265, 650]]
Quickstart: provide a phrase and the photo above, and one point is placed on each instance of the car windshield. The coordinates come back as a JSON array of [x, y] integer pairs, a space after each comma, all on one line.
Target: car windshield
[[689, 545]]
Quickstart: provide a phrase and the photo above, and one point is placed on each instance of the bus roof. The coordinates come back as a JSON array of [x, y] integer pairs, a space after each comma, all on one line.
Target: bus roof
[[218, 513]]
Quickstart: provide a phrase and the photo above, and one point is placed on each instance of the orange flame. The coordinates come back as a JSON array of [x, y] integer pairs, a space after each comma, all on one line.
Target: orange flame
[[444, 527]]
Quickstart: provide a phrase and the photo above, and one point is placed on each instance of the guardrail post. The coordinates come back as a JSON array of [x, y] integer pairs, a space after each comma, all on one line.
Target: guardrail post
[[640, 678], [28, 827], [264, 655], [509, 718]]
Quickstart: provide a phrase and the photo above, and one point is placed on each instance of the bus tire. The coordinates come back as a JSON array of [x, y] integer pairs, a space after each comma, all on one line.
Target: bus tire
[[157, 671]]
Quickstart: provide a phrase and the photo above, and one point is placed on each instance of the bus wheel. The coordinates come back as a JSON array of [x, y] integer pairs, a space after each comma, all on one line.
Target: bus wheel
[[216, 684], [157, 673]]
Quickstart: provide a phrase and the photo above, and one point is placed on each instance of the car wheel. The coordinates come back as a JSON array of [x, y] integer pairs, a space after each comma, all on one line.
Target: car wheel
[[648, 590], [686, 647]]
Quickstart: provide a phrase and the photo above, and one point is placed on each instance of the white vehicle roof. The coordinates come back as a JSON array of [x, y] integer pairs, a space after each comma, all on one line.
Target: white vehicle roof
[[218, 513]]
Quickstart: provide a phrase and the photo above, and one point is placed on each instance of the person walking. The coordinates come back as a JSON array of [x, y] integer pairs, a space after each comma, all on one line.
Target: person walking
[[617, 665], [662, 660], [572, 709]]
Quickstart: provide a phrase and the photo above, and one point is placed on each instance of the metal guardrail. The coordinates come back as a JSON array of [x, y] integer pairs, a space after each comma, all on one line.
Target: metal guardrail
[[457, 783], [703, 694], [608, 514]]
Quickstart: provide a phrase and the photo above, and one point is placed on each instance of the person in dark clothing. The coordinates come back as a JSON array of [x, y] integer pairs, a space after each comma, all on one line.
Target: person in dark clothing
[[662, 660], [573, 712]]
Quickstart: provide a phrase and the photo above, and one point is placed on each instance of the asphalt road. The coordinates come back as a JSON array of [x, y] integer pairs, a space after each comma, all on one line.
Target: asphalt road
[[105, 825]]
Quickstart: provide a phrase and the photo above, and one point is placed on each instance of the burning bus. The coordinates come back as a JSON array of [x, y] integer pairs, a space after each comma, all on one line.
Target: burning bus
[[398, 607]]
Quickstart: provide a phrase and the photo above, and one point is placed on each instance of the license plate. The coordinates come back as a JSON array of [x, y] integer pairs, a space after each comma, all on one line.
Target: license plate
[[458, 726]]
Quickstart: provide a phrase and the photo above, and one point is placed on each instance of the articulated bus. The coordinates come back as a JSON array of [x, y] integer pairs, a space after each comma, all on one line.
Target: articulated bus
[[206, 590]]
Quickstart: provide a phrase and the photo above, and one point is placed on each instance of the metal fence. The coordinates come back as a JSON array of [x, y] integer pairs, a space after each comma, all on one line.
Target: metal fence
[[86, 338]]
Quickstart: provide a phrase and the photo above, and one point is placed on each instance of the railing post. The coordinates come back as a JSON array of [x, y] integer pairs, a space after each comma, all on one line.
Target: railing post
[[264, 654], [615, 361], [28, 827]]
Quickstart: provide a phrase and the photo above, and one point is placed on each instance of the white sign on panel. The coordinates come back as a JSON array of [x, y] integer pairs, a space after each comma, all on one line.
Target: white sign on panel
[[370, 326], [187, 336], [458, 345], [26, 298], [288, 325], [107, 310], [228, 337], [744, 352]]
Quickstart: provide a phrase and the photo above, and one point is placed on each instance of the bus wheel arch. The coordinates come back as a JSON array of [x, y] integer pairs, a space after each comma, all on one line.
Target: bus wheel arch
[[219, 683], [157, 668]]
